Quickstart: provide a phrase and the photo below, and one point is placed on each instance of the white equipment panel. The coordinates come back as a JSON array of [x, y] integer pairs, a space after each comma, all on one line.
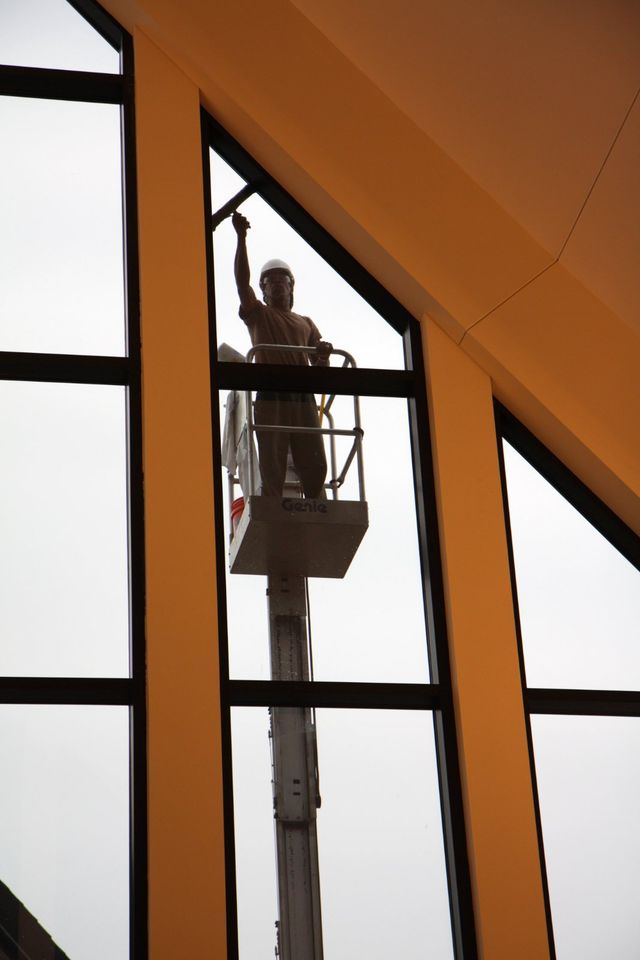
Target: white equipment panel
[[309, 538]]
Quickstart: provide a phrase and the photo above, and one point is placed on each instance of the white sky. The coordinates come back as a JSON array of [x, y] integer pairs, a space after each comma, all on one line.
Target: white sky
[[587, 770], [579, 597], [61, 278], [63, 510], [64, 809], [49, 33], [63, 806]]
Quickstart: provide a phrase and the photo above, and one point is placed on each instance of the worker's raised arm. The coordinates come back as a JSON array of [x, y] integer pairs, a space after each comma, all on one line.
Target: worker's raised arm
[[241, 263]]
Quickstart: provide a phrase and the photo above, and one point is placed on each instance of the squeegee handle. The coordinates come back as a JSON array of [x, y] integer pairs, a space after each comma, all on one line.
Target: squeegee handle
[[231, 205]]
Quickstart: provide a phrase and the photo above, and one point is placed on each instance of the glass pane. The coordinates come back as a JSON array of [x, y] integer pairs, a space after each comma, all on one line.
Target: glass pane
[[369, 625], [382, 876], [64, 834], [579, 598], [61, 251], [63, 516], [50, 33], [341, 315], [589, 788]]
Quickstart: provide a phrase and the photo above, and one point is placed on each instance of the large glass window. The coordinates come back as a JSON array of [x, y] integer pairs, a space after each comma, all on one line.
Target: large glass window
[[72, 699], [61, 249], [335, 681], [576, 571], [368, 625], [588, 777], [63, 506], [64, 810], [381, 864]]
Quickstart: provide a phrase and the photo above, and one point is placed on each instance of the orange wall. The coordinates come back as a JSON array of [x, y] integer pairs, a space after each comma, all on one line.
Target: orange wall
[[186, 865], [501, 828]]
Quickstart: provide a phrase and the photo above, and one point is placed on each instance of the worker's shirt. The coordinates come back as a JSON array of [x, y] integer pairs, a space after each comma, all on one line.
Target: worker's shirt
[[270, 325]]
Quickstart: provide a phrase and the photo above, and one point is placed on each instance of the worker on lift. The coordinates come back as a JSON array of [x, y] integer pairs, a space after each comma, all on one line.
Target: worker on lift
[[274, 322]]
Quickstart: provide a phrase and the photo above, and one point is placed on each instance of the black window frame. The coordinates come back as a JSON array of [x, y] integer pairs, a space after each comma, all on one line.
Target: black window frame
[[91, 87], [435, 696], [553, 700]]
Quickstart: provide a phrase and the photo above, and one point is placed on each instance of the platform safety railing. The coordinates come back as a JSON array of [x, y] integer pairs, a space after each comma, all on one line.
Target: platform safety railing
[[337, 478]]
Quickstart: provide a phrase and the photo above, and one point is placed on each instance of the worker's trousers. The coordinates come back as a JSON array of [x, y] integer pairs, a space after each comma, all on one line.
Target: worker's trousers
[[307, 449]]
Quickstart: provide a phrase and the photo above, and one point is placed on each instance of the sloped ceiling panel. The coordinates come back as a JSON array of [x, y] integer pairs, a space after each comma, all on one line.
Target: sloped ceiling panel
[[526, 97]]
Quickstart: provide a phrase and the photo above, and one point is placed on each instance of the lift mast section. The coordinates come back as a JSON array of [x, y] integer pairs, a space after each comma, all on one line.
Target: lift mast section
[[296, 796]]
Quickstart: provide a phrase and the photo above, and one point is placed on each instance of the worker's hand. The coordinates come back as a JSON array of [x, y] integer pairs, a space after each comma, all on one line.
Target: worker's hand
[[323, 352], [240, 224]]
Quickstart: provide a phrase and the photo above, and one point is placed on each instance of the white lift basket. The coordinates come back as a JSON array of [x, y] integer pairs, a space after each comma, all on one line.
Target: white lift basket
[[291, 535]]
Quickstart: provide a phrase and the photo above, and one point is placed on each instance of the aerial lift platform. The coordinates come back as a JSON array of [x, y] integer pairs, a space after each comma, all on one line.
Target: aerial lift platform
[[311, 538], [289, 539]]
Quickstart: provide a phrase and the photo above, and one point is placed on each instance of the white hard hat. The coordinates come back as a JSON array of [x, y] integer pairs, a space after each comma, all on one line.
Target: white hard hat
[[276, 265], [282, 266]]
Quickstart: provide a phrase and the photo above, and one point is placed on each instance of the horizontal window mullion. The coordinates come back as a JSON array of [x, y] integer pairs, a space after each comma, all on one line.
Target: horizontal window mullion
[[47, 84], [373, 696], [606, 703], [70, 690], [64, 368], [347, 382]]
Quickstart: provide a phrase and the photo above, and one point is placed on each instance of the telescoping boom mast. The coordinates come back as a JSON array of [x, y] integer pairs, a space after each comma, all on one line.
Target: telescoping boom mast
[[296, 795]]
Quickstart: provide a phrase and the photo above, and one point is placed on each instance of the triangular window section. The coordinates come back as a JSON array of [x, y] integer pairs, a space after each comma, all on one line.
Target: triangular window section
[[53, 34], [343, 316], [578, 596]]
